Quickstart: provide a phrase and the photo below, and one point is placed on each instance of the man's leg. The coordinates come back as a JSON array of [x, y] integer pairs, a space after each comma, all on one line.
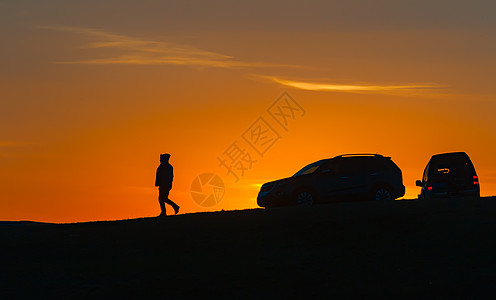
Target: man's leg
[[162, 208], [174, 205], [171, 203], [162, 197]]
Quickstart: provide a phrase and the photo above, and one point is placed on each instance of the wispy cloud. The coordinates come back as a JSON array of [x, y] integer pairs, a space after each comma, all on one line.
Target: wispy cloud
[[136, 51], [128, 50], [355, 88], [11, 144], [11, 148]]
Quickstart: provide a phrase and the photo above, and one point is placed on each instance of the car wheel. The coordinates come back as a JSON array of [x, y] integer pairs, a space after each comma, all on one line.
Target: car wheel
[[383, 194], [305, 198]]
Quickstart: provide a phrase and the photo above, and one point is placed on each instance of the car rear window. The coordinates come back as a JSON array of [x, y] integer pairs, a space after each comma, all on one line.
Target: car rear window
[[443, 168]]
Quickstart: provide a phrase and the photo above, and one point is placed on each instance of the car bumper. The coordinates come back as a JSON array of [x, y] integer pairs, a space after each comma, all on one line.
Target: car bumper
[[451, 194], [272, 199], [400, 192], [265, 200]]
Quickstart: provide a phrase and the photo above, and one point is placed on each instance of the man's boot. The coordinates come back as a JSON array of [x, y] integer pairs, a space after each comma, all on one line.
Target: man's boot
[[162, 208]]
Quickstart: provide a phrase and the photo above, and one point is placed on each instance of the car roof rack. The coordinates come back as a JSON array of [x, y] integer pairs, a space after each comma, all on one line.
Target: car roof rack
[[360, 154]]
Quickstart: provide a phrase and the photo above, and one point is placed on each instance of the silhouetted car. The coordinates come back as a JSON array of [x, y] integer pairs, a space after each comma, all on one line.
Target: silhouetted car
[[348, 177], [449, 175]]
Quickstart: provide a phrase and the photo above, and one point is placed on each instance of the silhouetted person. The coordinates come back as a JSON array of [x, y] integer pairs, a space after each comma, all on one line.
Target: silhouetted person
[[165, 174]]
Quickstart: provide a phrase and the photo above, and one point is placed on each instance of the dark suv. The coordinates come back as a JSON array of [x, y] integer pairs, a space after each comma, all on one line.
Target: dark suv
[[351, 177], [449, 175]]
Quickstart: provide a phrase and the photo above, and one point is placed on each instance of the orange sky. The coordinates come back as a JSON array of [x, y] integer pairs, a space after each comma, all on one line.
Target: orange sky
[[91, 95]]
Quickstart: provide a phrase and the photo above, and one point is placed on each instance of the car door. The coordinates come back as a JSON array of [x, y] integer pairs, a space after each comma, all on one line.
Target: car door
[[355, 175], [334, 180], [325, 180]]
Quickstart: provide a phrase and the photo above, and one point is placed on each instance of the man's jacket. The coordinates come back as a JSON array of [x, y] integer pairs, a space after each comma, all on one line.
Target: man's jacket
[[164, 177]]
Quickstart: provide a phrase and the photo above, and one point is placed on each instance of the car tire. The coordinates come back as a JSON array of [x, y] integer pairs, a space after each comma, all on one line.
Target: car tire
[[382, 193], [305, 197]]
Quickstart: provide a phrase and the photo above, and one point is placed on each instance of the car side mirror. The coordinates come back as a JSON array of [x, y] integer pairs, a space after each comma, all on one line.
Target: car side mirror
[[418, 183]]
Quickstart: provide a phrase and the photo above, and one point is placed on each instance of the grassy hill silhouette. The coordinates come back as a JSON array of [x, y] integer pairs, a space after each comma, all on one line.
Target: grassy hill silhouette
[[388, 249]]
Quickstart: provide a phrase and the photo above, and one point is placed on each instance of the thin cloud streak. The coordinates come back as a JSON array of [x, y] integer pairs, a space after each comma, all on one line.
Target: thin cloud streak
[[135, 51], [10, 148], [354, 88], [11, 144]]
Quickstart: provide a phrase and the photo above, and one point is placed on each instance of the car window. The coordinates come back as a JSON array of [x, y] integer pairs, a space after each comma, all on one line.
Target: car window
[[309, 169], [358, 165], [444, 168], [374, 165], [426, 172], [331, 166], [350, 166]]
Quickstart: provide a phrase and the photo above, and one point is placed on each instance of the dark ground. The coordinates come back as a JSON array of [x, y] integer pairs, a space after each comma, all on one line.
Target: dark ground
[[407, 249]]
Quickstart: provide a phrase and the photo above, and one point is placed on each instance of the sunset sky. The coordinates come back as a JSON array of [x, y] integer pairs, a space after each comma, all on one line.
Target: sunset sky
[[91, 92]]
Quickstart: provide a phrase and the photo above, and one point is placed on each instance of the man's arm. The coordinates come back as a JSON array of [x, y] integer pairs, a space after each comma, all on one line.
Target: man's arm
[[157, 177]]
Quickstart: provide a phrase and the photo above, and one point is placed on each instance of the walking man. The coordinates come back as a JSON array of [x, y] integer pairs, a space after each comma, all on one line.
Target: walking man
[[165, 174]]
